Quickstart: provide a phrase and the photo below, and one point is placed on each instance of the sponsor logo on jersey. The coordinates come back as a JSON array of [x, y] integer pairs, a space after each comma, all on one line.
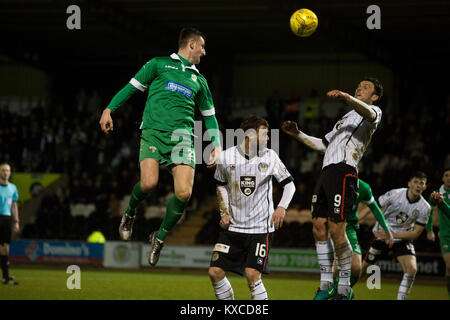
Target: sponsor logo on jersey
[[247, 184], [262, 167], [176, 87], [171, 67], [220, 247]]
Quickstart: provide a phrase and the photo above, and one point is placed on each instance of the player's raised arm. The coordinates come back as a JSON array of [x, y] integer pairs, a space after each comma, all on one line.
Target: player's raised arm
[[290, 128], [139, 82], [362, 108], [106, 122]]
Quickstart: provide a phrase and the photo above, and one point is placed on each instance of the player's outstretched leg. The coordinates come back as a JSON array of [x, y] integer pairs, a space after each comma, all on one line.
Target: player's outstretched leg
[[325, 257], [344, 255], [141, 190], [126, 226], [155, 249], [174, 212]]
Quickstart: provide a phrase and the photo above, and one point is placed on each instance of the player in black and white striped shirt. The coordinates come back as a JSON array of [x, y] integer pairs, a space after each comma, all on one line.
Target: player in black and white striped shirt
[[244, 177], [336, 189], [407, 214]]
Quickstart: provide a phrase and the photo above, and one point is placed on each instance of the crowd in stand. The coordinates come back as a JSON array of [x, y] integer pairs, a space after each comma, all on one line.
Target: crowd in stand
[[62, 137]]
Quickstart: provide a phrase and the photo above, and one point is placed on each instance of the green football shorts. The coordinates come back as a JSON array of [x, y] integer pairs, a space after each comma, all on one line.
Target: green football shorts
[[167, 148], [445, 244], [353, 238]]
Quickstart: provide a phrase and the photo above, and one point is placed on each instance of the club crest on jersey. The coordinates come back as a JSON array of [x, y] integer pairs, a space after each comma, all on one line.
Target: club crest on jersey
[[415, 213], [215, 256], [401, 218], [152, 149], [262, 167], [194, 78], [247, 184]]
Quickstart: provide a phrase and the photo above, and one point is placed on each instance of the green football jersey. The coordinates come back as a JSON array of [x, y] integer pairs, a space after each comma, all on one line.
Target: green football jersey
[[175, 87], [443, 213], [365, 195]]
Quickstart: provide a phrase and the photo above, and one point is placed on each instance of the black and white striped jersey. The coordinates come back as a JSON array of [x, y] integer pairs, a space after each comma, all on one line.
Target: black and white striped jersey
[[248, 182], [349, 138], [400, 213]]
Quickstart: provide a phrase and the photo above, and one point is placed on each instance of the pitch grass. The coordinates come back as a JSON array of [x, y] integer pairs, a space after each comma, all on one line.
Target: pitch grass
[[49, 283]]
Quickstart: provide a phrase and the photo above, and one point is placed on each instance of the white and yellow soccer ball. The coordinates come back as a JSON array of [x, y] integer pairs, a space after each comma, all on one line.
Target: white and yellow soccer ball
[[304, 22]]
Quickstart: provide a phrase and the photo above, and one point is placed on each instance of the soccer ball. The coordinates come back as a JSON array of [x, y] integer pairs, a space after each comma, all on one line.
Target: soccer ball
[[304, 22]]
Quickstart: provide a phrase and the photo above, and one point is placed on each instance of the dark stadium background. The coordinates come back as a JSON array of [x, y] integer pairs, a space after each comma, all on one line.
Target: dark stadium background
[[75, 73]]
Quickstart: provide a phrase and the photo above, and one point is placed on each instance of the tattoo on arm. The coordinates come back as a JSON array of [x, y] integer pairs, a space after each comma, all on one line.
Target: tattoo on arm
[[221, 203]]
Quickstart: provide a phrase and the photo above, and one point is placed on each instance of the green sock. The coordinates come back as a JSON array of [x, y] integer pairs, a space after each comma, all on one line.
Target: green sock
[[174, 211], [447, 280], [137, 196]]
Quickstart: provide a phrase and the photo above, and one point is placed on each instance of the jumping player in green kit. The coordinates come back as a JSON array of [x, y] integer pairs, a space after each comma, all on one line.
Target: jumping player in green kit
[[175, 87], [441, 198]]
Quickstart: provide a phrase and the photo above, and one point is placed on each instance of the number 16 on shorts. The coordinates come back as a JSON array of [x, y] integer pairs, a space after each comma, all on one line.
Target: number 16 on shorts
[[260, 250]]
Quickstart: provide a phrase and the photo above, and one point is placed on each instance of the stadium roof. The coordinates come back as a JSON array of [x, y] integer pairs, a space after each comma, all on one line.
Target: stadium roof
[[114, 31]]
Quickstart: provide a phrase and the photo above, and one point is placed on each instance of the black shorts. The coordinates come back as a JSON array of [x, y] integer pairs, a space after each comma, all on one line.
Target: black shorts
[[235, 251], [5, 229], [335, 192], [379, 248]]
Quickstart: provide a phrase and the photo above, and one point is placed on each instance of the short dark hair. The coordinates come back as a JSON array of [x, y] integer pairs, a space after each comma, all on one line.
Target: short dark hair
[[418, 174], [378, 87], [445, 170], [253, 122], [188, 33]]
